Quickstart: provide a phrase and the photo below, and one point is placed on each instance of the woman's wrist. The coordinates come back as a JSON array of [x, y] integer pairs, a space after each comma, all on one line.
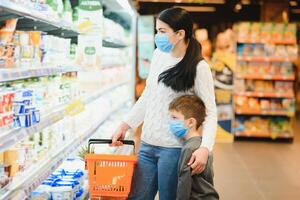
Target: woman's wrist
[[124, 127]]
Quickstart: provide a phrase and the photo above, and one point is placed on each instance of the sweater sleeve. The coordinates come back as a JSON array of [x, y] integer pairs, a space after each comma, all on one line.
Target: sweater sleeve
[[204, 88], [137, 114]]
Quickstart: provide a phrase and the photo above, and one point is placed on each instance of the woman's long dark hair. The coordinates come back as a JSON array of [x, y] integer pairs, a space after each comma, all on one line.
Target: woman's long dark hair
[[181, 77]]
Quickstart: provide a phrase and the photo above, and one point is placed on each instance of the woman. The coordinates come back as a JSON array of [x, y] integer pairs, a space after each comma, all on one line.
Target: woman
[[177, 68]]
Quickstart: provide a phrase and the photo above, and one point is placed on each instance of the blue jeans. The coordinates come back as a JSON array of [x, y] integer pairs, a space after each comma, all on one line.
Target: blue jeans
[[156, 171]]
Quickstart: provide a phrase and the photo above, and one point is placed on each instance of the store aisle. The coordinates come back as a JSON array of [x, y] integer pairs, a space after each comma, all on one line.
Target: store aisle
[[258, 170]]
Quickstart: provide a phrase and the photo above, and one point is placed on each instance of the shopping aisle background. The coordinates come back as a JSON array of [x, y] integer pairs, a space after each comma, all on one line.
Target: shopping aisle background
[[258, 170]]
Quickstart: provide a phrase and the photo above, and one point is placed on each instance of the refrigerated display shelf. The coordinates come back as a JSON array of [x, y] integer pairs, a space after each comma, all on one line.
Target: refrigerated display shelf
[[264, 112], [271, 41], [19, 73], [34, 176], [10, 137], [266, 77], [267, 94], [33, 19], [263, 134], [265, 59]]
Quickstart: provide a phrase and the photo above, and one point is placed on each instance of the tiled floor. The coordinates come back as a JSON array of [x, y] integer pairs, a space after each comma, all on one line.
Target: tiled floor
[[258, 170]]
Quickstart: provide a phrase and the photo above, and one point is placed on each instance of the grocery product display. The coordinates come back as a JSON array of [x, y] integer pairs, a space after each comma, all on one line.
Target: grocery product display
[[264, 79], [52, 85], [276, 127]]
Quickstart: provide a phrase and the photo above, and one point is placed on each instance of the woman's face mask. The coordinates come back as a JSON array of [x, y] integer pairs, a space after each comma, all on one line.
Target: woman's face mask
[[166, 38], [162, 42]]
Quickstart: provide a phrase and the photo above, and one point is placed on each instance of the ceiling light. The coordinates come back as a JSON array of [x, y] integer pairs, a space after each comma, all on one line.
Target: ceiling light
[[246, 2], [237, 7], [293, 3], [198, 8]]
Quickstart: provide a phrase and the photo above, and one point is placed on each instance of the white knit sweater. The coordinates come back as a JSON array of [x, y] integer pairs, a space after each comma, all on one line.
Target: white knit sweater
[[152, 106]]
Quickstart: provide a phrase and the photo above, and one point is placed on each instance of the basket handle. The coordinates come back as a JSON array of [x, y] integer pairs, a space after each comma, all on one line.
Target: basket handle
[[109, 141]]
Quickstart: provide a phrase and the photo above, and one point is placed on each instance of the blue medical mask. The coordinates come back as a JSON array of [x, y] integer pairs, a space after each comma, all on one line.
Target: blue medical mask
[[162, 42], [178, 128]]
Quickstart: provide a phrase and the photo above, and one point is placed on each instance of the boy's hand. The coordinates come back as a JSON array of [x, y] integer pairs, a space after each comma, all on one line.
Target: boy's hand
[[198, 160]]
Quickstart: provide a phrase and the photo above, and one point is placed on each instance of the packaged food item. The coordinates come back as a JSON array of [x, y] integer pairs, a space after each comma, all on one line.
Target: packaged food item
[[292, 51], [4, 179], [255, 30], [248, 50], [275, 105], [266, 31], [253, 104], [67, 13], [11, 158], [258, 50], [265, 104], [269, 50], [278, 30], [275, 68], [244, 30], [281, 51], [40, 195], [250, 85], [287, 68], [239, 85], [62, 190], [6, 32], [290, 32], [289, 105]]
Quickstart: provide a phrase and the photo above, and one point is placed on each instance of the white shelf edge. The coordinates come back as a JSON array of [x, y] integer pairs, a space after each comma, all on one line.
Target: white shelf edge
[[36, 174], [15, 135], [18, 74]]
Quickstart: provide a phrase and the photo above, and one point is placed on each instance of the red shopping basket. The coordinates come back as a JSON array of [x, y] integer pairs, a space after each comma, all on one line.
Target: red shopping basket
[[109, 175]]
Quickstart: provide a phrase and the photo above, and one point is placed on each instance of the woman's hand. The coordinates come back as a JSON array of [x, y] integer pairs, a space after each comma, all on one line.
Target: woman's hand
[[198, 160], [119, 134]]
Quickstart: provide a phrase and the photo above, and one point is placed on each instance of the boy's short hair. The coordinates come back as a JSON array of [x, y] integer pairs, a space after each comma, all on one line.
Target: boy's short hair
[[190, 106]]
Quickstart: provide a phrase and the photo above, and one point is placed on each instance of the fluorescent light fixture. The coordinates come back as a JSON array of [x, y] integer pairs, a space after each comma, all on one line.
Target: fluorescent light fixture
[[126, 6], [198, 8], [293, 3], [296, 11], [246, 2]]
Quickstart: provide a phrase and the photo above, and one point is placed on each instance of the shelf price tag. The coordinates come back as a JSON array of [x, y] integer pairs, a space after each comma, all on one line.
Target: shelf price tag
[[75, 107]]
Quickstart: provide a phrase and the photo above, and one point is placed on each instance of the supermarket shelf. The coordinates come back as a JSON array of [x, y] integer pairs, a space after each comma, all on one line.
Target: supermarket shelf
[[38, 172], [267, 94], [266, 77], [18, 74], [263, 135], [32, 19], [279, 42], [110, 43], [263, 112], [265, 59], [13, 136]]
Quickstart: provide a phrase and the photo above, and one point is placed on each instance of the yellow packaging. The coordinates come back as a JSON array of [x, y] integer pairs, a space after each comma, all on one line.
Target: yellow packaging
[[11, 158]]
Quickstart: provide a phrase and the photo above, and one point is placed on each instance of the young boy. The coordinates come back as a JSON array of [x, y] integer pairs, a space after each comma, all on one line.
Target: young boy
[[188, 114]]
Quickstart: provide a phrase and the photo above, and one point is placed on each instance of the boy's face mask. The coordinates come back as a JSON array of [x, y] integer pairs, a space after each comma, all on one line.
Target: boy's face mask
[[178, 128]]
